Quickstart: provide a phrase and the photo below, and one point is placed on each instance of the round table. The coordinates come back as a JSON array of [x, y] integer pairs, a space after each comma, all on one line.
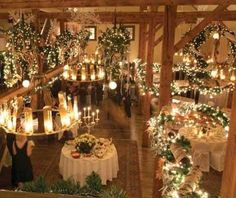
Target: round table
[[78, 169], [208, 150]]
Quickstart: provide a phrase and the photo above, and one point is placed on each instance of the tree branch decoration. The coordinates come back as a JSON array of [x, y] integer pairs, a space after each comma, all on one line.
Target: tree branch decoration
[[21, 58]]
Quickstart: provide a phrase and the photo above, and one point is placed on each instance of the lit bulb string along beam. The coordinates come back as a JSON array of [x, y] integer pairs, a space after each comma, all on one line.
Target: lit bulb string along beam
[[17, 119], [192, 74], [24, 44], [180, 177], [141, 76]]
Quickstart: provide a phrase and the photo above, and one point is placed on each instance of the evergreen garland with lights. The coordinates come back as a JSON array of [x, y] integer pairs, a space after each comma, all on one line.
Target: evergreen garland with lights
[[178, 174]]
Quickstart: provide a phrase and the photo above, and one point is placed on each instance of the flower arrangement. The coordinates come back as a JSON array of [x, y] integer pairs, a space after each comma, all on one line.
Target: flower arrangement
[[85, 143]]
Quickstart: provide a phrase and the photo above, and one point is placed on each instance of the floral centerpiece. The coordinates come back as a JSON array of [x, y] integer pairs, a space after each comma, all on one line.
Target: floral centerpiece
[[85, 143]]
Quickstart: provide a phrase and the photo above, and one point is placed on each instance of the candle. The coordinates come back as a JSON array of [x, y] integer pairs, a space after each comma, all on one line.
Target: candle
[[65, 119], [89, 111], [28, 125], [79, 120], [93, 115], [84, 112], [93, 75], [70, 108], [97, 111], [62, 99], [75, 108], [47, 118]]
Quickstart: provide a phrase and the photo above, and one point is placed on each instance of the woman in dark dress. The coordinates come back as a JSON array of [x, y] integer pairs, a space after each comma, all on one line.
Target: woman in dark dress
[[22, 167]]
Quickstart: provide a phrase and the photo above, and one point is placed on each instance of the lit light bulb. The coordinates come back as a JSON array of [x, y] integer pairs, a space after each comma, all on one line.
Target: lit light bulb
[[210, 60], [112, 85], [233, 76], [214, 73], [26, 83], [216, 36], [222, 74]]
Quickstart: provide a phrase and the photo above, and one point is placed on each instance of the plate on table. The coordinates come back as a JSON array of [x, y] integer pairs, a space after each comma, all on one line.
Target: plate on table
[[75, 154]]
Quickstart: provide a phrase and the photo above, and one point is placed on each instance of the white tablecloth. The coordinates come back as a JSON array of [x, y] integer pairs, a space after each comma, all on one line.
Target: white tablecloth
[[207, 150], [219, 100], [78, 169]]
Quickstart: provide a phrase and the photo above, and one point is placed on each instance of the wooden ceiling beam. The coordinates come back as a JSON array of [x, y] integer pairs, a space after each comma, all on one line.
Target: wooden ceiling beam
[[190, 16], [137, 17], [13, 4], [190, 35]]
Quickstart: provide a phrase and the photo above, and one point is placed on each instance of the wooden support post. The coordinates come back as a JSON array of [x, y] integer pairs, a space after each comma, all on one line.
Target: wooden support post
[[62, 26], [40, 99], [228, 186], [166, 76], [142, 41], [167, 56], [149, 76]]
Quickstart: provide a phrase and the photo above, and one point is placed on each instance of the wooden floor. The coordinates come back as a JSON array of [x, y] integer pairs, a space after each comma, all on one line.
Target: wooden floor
[[129, 128]]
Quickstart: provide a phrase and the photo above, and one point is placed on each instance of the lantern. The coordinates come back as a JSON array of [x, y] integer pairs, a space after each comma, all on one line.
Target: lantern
[[47, 118], [62, 99], [65, 118], [28, 123]]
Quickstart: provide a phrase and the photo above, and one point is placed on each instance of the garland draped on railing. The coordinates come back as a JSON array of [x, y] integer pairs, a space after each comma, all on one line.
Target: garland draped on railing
[[180, 177]]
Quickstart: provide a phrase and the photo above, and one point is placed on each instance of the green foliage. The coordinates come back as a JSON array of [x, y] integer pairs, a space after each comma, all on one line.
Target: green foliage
[[66, 187], [83, 38], [93, 183], [183, 142], [214, 113], [115, 40], [113, 192], [38, 185], [93, 187]]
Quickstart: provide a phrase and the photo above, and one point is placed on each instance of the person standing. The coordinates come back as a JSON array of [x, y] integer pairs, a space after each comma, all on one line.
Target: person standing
[[21, 163], [127, 103]]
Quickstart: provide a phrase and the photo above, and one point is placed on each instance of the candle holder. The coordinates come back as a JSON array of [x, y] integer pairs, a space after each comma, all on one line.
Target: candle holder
[[89, 119]]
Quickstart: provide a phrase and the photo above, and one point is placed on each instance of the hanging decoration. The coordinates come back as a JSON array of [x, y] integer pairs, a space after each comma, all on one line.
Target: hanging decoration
[[205, 70], [114, 43]]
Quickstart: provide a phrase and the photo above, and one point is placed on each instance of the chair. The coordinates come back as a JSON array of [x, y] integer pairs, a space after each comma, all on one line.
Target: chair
[[217, 160], [201, 157]]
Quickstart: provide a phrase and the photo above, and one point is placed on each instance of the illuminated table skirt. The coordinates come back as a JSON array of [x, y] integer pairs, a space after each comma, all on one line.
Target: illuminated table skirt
[[219, 100], [206, 150], [78, 169]]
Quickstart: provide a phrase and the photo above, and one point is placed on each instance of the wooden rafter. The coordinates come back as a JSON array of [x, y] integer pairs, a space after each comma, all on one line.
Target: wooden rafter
[[100, 3], [139, 17], [190, 35], [158, 40]]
